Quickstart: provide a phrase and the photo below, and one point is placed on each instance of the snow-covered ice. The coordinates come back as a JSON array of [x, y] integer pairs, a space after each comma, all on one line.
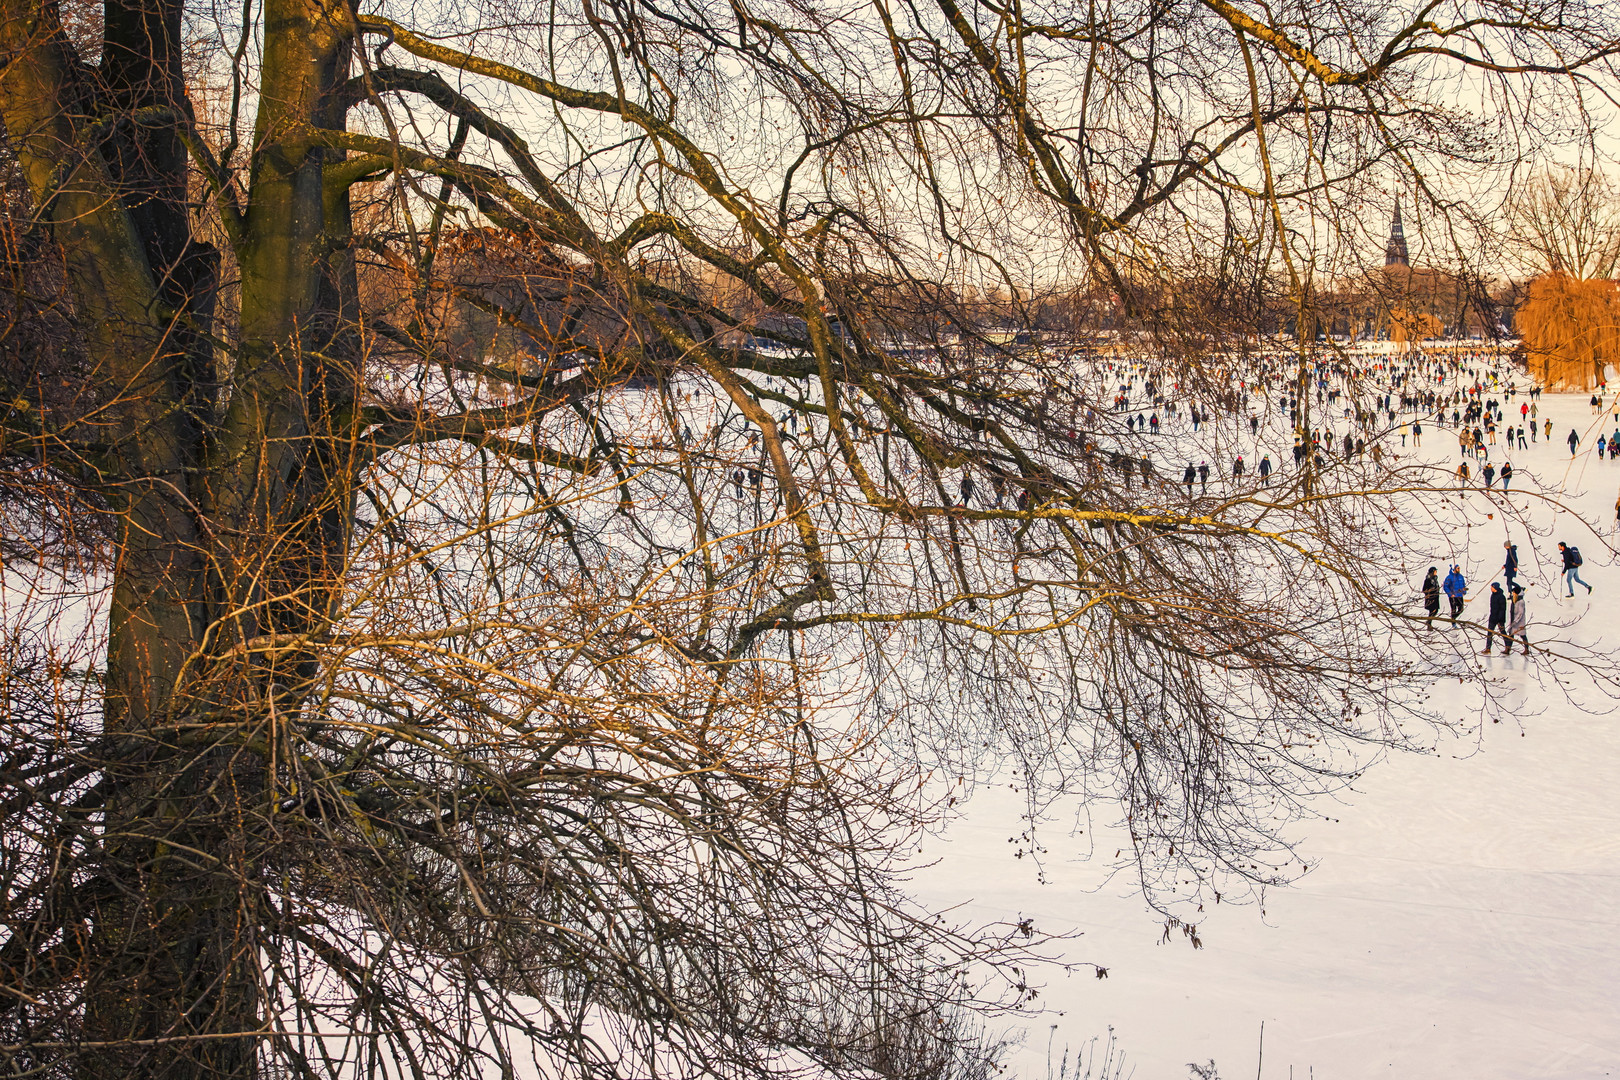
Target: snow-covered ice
[[1462, 918]]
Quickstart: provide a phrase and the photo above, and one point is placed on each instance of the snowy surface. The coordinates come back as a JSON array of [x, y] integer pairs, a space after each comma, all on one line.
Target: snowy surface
[[1461, 917]]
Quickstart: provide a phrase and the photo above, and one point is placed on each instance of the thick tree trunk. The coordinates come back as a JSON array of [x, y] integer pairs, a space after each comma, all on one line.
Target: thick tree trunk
[[216, 514]]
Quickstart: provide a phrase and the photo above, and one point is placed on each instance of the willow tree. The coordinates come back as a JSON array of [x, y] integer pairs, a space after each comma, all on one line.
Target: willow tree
[[1571, 330], [537, 504], [1565, 224]]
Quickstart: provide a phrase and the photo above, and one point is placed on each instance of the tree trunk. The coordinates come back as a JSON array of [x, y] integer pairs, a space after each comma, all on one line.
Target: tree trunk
[[213, 512]]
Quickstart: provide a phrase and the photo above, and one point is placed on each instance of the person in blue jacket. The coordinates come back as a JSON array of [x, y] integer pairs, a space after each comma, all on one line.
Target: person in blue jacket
[[1456, 588]]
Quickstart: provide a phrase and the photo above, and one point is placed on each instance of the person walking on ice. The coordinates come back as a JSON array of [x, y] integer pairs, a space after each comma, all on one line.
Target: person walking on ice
[[1572, 568], [1431, 594], [1517, 618], [1497, 620], [1574, 440], [1456, 589], [1510, 562]]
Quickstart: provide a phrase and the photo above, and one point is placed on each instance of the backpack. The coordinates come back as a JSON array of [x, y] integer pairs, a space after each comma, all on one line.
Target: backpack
[[1574, 556]]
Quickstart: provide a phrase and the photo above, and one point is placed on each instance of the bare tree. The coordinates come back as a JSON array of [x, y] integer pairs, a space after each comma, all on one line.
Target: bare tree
[[1566, 220]]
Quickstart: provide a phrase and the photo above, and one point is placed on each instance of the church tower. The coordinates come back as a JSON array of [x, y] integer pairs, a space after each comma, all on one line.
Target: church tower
[[1395, 251]]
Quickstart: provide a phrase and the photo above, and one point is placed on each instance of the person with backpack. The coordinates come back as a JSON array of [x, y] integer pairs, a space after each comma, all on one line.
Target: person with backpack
[[1456, 589], [1572, 567], [1497, 620], [1431, 594]]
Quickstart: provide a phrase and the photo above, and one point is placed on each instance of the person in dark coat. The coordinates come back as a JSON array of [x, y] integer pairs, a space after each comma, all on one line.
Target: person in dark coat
[[1431, 594], [1497, 620], [1510, 563], [1203, 477], [1189, 476], [1572, 567], [1265, 479]]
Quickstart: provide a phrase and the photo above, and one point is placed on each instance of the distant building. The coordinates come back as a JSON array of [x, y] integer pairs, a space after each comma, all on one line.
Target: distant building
[[1395, 251]]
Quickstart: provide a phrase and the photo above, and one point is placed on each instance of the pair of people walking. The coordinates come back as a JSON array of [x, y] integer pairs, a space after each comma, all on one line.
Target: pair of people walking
[[1455, 587], [1508, 618]]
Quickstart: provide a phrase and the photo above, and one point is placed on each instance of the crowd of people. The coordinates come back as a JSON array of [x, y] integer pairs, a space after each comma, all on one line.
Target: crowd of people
[[1352, 402]]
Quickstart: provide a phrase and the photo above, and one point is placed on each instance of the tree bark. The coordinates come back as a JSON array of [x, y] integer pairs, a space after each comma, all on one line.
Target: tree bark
[[214, 513]]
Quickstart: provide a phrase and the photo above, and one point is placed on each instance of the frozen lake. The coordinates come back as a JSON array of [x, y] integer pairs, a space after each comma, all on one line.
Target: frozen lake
[[1461, 916]]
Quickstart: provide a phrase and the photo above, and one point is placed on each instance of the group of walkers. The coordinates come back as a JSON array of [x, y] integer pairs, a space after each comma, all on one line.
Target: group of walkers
[[1507, 614]]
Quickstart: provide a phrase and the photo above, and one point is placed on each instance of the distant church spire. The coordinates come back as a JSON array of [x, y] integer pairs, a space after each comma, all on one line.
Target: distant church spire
[[1395, 252]]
